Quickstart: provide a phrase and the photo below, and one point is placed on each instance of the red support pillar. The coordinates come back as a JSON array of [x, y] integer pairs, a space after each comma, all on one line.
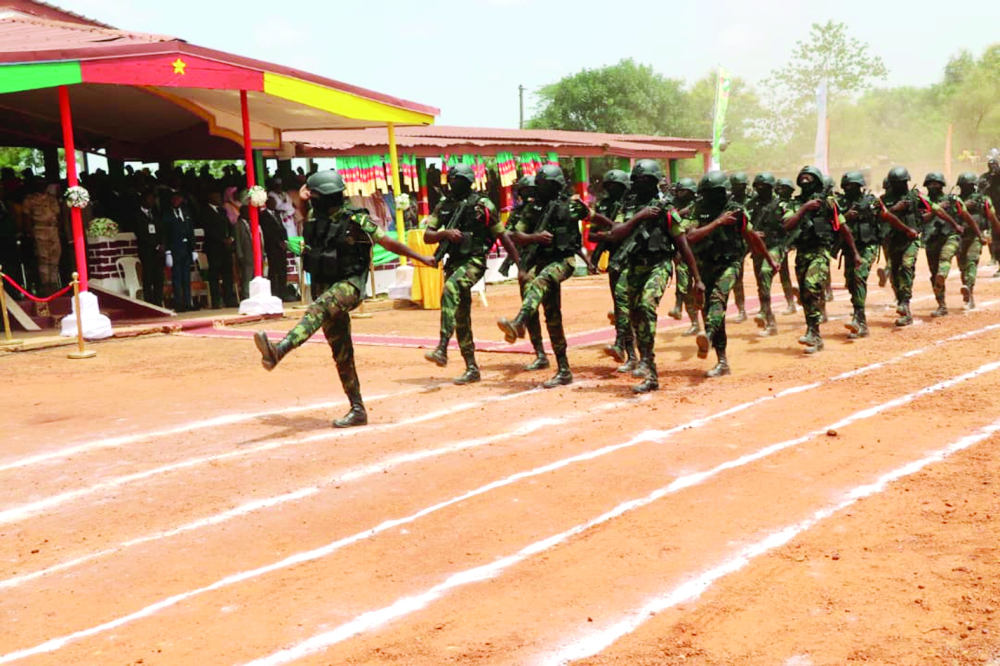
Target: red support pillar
[[79, 244], [258, 260], [423, 195]]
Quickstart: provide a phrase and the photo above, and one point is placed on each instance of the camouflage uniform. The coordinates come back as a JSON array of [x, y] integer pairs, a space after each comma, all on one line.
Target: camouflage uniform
[[814, 239], [466, 265], [533, 323], [42, 212], [646, 257], [941, 244], [902, 251], [617, 279], [868, 230], [766, 218], [978, 206], [331, 311]]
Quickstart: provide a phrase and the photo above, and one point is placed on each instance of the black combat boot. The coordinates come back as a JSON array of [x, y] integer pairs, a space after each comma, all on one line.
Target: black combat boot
[[853, 325], [650, 383], [812, 340], [270, 353], [942, 308], [675, 313], [905, 318], [439, 355], [858, 326], [772, 326], [704, 344], [883, 277], [512, 328], [471, 374], [694, 329], [562, 377], [968, 297], [616, 352], [721, 368], [541, 361], [356, 416], [630, 362]]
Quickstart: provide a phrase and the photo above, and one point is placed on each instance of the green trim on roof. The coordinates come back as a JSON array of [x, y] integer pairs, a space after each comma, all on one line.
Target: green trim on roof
[[15, 78]]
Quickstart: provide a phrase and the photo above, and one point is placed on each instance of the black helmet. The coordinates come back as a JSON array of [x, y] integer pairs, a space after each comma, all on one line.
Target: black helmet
[[326, 182], [616, 176], [686, 184], [645, 168], [462, 171], [968, 179], [812, 171], [739, 178], [898, 175], [526, 181], [764, 178], [935, 177], [550, 172], [852, 178], [829, 182], [784, 182], [713, 180]]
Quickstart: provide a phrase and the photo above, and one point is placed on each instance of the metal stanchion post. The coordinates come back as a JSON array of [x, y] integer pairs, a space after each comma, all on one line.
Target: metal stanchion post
[[81, 352], [8, 340]]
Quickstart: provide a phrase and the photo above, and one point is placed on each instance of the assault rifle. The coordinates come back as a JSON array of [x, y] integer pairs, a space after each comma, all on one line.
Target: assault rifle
[[445, 246], [531, 251], [640, 236]]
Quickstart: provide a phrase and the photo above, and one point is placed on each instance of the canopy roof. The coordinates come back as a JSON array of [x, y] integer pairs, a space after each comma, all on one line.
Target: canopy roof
[[137, 93], [438, 140]]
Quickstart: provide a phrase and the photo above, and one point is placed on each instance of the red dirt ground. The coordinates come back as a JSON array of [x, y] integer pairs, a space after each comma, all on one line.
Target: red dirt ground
[[107, 545]]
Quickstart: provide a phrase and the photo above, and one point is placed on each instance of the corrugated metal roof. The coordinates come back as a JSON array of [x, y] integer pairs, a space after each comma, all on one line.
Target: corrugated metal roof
[[443, 139], [49, 11], [547, 135], [33, 36]]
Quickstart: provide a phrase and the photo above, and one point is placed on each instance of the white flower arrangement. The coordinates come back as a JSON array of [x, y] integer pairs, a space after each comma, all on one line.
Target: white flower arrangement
[[257, 196], [78, 197], [403, 201], [102, 227]]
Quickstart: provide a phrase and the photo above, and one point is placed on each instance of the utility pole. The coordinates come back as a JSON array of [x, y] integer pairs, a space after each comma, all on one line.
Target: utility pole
[[520, 97]]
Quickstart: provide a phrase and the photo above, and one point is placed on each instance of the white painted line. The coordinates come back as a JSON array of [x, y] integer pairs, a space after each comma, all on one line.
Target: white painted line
[[596, 642], [349, 475], [23, 511], [392, 462], [411, 604], [214, 422]]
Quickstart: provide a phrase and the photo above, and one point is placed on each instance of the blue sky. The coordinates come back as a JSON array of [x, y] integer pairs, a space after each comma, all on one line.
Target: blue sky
[[468, 58]]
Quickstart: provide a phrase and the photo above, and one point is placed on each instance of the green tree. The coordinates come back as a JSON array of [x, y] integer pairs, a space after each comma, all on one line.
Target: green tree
[[625, 98], [22, 158]]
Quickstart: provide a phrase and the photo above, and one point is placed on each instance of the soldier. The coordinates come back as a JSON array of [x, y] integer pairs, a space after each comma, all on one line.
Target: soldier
[[990, 186], [718, 231], [785, 188], [903, 241], [862, 215], [738, 183], [942, 235], [649, 240], [466, 225], [607, 212], [684, 194], [766, 212], [526, 197], [551, 230], [816, 222], [337, 252], [981, 209]]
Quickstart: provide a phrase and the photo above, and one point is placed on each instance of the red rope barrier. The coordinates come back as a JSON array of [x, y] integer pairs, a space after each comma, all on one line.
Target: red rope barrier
[[34, 298]]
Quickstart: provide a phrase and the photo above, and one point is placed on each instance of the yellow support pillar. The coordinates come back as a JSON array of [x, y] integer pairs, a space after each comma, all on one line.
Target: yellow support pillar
[[396, 188]]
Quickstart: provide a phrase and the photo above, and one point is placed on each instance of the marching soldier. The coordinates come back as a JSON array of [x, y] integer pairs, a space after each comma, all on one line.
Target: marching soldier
[[980, 207], [862, 215], [337, 252], [942, 235], [466, 225], [766, 213]]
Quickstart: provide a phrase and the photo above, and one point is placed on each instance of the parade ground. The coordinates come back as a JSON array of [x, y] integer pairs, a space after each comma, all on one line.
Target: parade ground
[[171, 502]]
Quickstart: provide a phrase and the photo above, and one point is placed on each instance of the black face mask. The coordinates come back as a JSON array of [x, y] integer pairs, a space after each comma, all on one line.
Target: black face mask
[[683, 198], [810, 188], [459, 187], [327, 203], [764, 193], [898, 189], [715, 200], [645, 188], [547, 189], [614, 191]]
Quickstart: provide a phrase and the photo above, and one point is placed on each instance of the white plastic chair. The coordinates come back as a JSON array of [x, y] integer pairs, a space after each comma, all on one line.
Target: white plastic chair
[[129, 274]]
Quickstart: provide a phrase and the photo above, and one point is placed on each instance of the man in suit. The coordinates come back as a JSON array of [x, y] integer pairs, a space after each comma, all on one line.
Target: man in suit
[[275, 243], [150, 234], [219, 245], [179, 221]]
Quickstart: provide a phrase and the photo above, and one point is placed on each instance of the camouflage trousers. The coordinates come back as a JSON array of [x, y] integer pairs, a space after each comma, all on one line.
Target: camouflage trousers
[[683, 288], [856, 277], [968, 259], [48, 249], [532, 323], [901, 260], [331, 312], [786, 278], [764, 274], [812, 270], [456, 303], [738, 294], [646, 285], [940, 251], [544, 289], [620, 297], [719, 280]]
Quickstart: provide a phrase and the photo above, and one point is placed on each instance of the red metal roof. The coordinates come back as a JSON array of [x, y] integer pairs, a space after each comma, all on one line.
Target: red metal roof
[[431, 141], [47, 10], [26, 39]]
